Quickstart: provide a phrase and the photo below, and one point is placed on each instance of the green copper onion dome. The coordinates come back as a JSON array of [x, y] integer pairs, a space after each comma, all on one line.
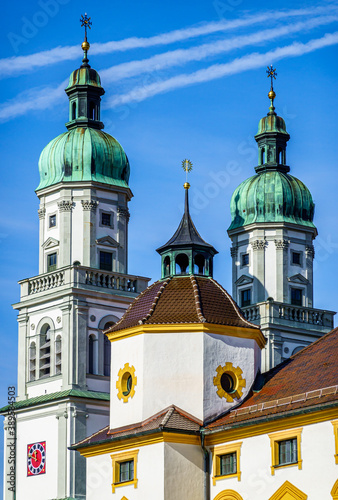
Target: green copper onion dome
[[84, 152], [272, 195]]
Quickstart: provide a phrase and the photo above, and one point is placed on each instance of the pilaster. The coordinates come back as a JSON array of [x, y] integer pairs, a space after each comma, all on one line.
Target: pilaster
[[234, 256], [65, 216], [282, 246], [258, 247], [23, 362], [89, 221], [42, 216], [309, 256], [123, 217]]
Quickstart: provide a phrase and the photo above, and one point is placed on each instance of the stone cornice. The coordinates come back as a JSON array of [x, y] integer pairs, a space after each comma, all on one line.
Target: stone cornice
[[282, 244], [258, 244], [89, 205], [65, 205]]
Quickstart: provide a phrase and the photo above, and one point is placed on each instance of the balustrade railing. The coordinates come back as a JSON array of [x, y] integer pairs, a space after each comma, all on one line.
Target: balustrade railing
[[82, 277]]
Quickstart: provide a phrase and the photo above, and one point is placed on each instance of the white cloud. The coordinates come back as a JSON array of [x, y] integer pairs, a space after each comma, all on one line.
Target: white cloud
[[239, 65], [12, 66]]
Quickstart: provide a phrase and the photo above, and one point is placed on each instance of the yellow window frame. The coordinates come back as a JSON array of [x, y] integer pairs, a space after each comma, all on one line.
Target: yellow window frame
[[217, 453], [117, 459], [275, 439]]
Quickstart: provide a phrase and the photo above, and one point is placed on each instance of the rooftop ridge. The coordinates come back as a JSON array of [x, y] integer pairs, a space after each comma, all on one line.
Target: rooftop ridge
[[317, 393], [156, 299], [197, 299]]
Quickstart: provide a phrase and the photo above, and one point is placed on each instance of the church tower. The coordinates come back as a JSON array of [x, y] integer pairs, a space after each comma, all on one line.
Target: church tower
[[272, 233], [82, 288]]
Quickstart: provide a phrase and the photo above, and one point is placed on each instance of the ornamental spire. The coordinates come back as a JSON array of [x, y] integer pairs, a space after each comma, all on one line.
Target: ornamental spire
[[86, 22], [271, 73]]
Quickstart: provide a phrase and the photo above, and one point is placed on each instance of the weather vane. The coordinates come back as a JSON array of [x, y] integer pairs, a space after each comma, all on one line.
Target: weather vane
[[187, 167], [86, 22], [271, 74]]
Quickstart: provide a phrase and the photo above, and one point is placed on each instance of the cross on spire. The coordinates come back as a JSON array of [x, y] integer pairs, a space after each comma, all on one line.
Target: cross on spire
[[271, 74], [86, 22]]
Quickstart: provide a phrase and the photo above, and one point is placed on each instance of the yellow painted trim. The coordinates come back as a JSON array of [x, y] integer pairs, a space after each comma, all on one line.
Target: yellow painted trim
[[125, 444], [257, 429], [121, 383], [119, 458], [275, 438], [228, 495], [335, 431], [217, 452], [334, 491], [288, 490], [232, 331], [236, 375]]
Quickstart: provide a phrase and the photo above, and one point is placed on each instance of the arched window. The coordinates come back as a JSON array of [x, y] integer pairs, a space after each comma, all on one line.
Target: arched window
[[91, 354], [166, 266], [74, 111], [58, 355], [199, 264], [92, 111], [182, 263], [280, 156], [262, 156], [32, 361], [44, 353], [107, 351]]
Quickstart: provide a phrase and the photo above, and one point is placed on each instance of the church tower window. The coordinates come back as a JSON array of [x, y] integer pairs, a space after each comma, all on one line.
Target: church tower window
[[51, 262], [44, 353], [199, 264], [245, 297], [52, 220], [296, 296], [91, 354], [58, 355], [106, 261], [182, 263], [32, 361], [107, 351], [74, 111]]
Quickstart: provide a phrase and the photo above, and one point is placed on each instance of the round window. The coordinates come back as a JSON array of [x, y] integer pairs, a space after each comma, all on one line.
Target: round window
[[127, 382], [227, 383]]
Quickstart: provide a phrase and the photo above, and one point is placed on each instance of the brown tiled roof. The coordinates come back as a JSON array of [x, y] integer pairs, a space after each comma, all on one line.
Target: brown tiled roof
[[309, 378], [171, 419], [188, 299]]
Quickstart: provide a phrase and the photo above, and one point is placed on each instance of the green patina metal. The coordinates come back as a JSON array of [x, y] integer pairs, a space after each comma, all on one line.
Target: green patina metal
[[85, 152], [55, 396], [272, 195]]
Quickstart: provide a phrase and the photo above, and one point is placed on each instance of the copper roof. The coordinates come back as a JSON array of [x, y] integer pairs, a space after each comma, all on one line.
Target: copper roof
[[307, 379], [188, 299], [171, 419]]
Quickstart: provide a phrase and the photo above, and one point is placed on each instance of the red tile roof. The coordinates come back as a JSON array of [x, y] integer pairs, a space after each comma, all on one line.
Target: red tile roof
[[171, 419], [309, 378], [188, 299]]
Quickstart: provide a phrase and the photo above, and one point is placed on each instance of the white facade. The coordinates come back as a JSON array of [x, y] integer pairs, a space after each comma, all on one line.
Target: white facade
[[178, 368]]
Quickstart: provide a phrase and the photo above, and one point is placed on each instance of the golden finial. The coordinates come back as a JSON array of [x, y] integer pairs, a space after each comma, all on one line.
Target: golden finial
[[271, 72], [86, 22], [187, 167]]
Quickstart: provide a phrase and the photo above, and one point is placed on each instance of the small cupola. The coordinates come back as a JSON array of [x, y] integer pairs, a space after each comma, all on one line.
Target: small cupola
[[272, 136], [84, 91], [186, 252]]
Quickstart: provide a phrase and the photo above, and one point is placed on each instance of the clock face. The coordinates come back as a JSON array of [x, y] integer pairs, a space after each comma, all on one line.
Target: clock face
[[36, 458]]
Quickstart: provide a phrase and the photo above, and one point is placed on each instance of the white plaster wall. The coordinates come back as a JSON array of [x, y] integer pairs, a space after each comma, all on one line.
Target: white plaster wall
[[98, 384], [129, 350], [315, 479], [296, 234], [96, 421], [183, 472], [47, 386], [44, 486], [150, 474], [177, 368], [219, 350]]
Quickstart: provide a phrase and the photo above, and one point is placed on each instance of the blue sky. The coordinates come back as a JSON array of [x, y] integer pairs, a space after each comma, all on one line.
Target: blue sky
[[182, 80]]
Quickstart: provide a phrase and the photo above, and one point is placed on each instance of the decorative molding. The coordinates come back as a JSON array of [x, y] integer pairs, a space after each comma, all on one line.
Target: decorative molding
[[244, 280], [89, 205], [32, 326], [126, 383], [123, 212], [65, 205], [310, 251], [50, 242], [238, 382], [288, 490], [217, 453], [275, 438], [298, 278], [258, 244], [58, 319], [107, 241], [282, 244], [42, 213], [234, 251]]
